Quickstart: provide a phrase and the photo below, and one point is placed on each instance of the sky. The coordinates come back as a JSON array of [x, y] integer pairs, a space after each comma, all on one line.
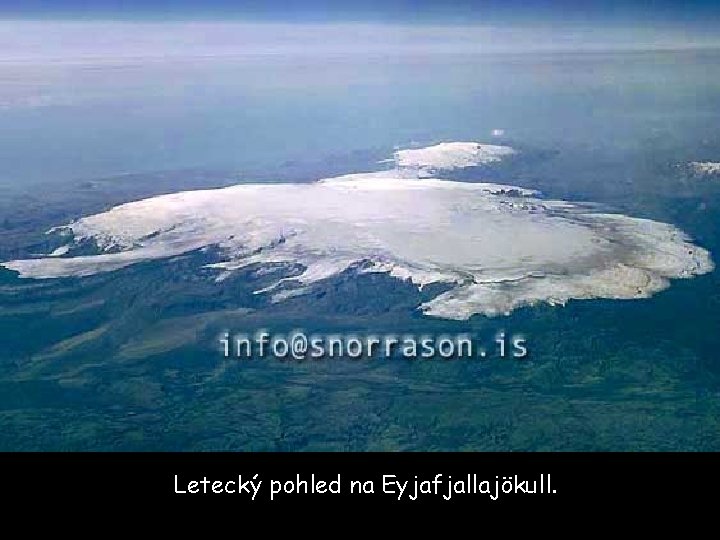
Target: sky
[[632, 12]]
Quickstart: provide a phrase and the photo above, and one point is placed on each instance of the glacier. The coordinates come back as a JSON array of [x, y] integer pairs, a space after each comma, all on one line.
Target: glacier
[[495, 247], [705, 167]]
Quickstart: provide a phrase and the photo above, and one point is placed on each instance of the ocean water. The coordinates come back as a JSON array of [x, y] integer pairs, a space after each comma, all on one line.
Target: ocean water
[[127, 360]]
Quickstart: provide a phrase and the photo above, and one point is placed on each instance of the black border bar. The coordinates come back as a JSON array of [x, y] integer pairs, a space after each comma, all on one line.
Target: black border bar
[[562, 481]]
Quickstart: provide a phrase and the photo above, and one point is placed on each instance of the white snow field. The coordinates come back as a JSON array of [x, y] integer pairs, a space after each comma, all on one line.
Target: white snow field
[[497, 247]]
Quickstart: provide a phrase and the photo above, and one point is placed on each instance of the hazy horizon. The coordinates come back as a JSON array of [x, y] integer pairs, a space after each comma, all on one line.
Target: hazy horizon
[[72, 40]]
